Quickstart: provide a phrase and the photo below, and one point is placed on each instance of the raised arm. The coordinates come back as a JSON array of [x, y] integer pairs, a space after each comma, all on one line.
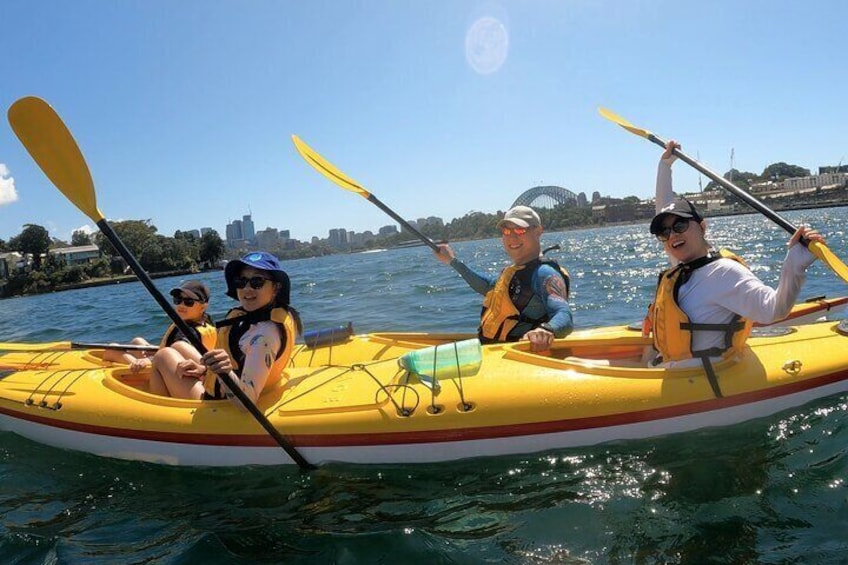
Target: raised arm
[[664, 190]]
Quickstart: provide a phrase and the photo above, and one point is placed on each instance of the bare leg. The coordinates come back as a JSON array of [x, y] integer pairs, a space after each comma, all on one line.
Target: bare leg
[[187, 350], [165, 365], [127, 357], [156, 384]]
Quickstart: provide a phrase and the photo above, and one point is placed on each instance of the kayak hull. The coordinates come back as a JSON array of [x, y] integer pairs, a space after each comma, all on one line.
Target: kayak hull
[[589, 390]]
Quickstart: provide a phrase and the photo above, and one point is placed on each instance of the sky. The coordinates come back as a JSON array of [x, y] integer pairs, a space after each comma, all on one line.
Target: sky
[[184, 109]]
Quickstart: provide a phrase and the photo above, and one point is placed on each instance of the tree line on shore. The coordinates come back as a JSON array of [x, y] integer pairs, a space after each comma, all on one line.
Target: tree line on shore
[[184, 252], [44, 268]]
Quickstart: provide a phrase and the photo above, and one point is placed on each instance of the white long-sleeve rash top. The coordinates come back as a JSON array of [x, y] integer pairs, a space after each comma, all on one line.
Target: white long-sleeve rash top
[[719, 290]]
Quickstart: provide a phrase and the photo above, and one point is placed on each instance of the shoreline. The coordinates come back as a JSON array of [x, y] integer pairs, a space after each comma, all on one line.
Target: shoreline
[[415, 243], [119, 279]]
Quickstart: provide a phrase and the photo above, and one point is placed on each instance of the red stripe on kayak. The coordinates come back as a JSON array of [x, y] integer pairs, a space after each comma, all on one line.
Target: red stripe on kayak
[[439, 436], [806, 308]]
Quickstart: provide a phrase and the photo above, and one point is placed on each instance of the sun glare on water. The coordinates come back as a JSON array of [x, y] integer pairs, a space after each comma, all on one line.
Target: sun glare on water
[[486, 45]]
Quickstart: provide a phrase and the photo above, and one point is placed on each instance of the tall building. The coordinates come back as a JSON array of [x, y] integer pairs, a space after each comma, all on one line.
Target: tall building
[[248, 231], [412, 223], [430, 221], [269, 238], [338, 237], [235, 231], [235, 234]]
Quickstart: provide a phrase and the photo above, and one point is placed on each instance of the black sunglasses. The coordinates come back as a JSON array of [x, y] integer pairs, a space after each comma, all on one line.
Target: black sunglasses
[[183, 300], [680, 225], [255, 282]]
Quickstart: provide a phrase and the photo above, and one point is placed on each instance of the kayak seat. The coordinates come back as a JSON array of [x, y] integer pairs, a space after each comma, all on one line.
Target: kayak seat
[[603, 355]]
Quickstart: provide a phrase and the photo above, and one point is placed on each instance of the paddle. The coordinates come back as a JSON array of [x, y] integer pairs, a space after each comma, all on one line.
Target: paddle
[[54, 149], [335, 175], [67, 345], [817, 248]]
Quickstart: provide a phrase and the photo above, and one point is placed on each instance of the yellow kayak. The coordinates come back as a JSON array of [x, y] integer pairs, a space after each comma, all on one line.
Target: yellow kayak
[[347, 349], [590, 388]]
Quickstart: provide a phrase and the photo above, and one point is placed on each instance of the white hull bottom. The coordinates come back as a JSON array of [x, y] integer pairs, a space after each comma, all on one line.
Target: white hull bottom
[[169, 453]]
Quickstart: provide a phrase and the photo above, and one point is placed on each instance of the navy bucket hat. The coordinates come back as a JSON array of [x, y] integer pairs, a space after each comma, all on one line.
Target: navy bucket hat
[[264, 261]]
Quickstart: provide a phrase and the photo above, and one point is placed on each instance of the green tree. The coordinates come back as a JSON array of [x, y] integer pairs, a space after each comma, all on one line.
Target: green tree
[[135, 234], [33, 240], [211, 248], [742, 179], [166, 254], [780, 171], [79, 238]]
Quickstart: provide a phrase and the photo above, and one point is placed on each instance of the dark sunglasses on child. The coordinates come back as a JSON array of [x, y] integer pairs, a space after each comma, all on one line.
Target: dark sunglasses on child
[[680, 225], [255, 282], [179, 299]]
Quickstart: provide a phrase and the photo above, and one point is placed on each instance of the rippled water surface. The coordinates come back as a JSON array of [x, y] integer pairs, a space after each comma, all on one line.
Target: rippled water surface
[[768, 491]]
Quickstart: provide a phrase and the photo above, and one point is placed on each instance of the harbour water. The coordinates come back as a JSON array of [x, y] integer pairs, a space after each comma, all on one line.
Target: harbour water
[[767, 491]]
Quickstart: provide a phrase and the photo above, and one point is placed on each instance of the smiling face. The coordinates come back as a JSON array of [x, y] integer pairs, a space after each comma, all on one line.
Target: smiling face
[[252, 298], [686, 245], [192, 313], [521, 244]]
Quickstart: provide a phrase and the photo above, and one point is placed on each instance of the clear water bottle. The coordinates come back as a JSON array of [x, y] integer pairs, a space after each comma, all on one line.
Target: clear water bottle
[[446, 361]]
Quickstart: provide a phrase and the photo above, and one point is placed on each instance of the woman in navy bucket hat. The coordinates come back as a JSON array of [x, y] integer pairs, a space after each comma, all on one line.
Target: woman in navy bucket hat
[[257, 337], [264, 261]]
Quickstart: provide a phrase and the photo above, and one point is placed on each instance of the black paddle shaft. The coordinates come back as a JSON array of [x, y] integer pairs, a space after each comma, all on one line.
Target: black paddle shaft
[[227, 378], [376, 201], [732, 188], [114, 346]]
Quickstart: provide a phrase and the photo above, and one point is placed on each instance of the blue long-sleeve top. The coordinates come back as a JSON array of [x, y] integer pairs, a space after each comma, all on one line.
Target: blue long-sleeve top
[[541, 304]]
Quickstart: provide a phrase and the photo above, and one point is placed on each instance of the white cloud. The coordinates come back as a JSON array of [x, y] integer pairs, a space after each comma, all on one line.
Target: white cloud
[[85, 229], [8, 194]]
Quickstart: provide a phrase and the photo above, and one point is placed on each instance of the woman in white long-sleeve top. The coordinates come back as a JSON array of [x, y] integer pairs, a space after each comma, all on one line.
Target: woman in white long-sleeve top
[[707, 301]]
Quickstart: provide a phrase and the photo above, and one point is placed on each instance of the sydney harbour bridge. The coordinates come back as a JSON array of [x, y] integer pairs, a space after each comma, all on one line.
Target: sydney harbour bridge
[[546, 197]]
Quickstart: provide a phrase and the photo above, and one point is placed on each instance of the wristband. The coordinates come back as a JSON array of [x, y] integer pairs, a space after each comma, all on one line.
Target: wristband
[[547, 327]]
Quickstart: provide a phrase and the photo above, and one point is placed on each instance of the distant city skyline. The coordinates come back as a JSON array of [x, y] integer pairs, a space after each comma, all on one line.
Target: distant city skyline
[[827, 175]]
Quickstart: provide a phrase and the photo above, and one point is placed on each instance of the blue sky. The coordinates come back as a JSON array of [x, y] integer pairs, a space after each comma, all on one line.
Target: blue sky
[[184, 109]]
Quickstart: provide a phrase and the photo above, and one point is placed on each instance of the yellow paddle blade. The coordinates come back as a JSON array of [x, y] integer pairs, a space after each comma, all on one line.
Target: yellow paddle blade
[[826, 256], [53, 148], [613, 117], [327, 169], [52, 346]]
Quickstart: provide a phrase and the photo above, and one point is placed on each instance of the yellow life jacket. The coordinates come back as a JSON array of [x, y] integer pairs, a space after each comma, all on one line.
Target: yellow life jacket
[[504, 304], [671, 326], [205, 330], [234, 326]]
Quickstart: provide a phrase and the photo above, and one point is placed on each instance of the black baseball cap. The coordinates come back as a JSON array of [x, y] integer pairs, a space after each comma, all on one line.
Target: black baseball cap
[[681, 208], [192, 289]]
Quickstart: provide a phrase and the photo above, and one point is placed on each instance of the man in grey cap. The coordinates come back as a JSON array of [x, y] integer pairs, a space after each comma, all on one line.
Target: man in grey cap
[[528, 300]]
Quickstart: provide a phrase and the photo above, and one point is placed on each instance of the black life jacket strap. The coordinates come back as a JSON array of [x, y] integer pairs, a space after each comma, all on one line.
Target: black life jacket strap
[[732, 327], [711, 376]]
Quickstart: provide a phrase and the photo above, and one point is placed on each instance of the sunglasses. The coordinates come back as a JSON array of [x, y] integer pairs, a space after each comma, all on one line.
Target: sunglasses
[[255, 282], [187, 301], [679, 226], [517, 231]]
